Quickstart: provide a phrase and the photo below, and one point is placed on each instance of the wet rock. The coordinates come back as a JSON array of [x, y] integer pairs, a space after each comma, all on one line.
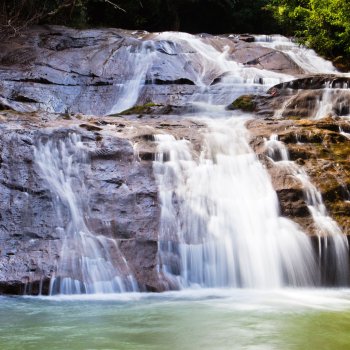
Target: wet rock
[[120, 194], [308, 97], [314, 82], [265, 58], [323, 151], [63, 70]]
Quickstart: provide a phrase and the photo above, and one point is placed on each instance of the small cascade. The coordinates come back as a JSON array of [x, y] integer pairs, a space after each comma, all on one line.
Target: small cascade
[[220, 222], [334, 101], [342, 132], [218, 78], [333, 244], [330, 101], [138, 60], [86, 265], [324, 106], [305, 58]]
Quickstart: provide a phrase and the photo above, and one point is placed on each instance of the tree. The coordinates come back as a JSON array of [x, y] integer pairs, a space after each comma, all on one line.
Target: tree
[[15, 15], [321, 24]]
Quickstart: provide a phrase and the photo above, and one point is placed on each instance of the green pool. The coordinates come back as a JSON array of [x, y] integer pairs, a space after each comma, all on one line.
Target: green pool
[[203, 319]]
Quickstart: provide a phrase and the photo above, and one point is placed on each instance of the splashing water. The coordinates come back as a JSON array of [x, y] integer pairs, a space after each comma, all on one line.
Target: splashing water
[[85, 265]]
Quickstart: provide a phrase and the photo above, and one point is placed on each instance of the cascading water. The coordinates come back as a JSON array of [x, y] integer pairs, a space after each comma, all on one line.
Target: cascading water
[[138, 60], [335, 247], [85, 265], [334, 101], [305, 58], [219, 79], [220, 219], [220, 222]]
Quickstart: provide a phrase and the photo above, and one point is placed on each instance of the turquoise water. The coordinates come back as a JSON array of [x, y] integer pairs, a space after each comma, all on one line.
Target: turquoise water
[[205, 319]]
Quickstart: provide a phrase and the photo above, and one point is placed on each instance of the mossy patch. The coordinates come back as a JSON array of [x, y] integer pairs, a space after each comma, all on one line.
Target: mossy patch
[[140, 109], [245, 103], [340, 151], [66, 116]]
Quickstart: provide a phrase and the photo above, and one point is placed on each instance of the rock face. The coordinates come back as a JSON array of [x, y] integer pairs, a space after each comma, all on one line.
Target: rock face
[[122, 201], [315, 96], [319, 146], [62, 70]]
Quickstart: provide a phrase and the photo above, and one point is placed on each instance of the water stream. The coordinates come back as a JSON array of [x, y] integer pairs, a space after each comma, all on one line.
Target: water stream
[[85, 265]]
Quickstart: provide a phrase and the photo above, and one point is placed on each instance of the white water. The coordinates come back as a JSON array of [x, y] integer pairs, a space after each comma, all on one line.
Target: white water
[[220, 223], [85, 265], [138, 60], [334, 101], [305, 58], [342, 132], [201, 62], [215, 63], [220, 219], [336, 243]]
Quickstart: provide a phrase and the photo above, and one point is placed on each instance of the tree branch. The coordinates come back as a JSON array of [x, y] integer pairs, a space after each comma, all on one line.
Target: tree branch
[[115, 5]]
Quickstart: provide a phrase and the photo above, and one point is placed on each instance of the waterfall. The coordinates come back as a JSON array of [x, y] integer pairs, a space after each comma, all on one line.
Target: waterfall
[[335, 245], [138, 60], [218, 78], [334, 101], [220, 224], [85, 265]]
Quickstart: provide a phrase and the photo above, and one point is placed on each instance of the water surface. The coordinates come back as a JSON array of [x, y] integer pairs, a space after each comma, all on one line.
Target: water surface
[[204, 319]]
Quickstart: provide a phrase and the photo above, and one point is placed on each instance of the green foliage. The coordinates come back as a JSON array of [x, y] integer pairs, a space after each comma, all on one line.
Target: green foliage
[[321, 24]]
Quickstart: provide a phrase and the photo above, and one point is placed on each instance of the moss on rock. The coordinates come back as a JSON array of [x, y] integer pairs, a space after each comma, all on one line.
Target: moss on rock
[[147, 108], [245, 103]]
